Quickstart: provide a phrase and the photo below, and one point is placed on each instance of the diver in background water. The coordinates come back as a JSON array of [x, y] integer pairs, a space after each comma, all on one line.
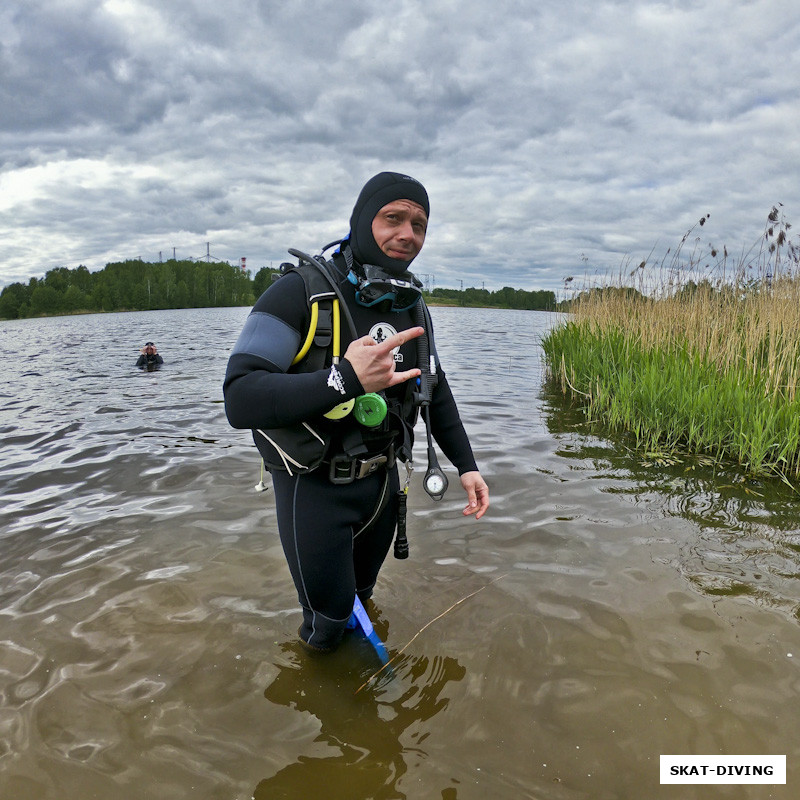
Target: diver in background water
[[329, 428], [149, 356]]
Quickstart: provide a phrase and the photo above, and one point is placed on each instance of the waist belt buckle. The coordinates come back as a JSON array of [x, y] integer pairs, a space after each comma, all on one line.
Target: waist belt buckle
[[367, 466], [343, 469]]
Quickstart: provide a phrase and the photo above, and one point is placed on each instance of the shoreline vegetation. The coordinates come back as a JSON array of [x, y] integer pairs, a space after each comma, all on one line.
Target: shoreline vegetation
[[696, 356], [144, 286]]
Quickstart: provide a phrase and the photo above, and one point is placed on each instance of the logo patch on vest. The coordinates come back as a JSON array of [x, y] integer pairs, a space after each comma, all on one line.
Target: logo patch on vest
[[382, 331], [335, 380]]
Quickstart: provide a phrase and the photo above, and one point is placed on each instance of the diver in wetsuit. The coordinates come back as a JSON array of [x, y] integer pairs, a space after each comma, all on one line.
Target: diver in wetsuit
[[337, 520], [148, 356]]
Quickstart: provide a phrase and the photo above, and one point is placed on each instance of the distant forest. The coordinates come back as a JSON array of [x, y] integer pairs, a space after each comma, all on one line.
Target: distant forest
[[142, 286], [128, 286], [506, 297]]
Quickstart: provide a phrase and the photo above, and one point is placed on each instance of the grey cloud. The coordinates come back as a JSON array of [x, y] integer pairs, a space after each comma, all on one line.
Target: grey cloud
[[61, 72], [545, 133]]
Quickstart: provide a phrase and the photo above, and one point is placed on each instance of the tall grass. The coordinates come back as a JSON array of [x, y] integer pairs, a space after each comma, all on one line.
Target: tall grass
[[695, 354]]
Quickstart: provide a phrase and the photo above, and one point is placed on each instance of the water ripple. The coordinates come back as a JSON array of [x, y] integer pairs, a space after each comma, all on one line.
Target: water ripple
[[603, 612]]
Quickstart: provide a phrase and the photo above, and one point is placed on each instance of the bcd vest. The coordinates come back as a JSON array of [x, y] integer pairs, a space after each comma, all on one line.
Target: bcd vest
[[302, 447]]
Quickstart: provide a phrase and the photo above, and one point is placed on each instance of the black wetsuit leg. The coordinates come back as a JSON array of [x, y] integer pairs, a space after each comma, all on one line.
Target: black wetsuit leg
[[335, 538]]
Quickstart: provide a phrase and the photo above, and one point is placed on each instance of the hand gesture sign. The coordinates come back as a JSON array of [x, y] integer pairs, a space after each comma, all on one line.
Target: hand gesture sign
[[374, 363]]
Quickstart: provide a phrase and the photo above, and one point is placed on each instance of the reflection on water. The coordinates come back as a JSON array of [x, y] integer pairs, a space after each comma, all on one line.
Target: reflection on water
[[748, 530], [359, 750], [604, 612]]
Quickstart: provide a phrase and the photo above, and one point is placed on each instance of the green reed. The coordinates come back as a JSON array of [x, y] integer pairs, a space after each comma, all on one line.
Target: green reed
[[708, 367]]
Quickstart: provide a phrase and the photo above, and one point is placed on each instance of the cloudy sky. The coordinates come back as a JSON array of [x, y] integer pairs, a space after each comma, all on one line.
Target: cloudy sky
[[555, 137]]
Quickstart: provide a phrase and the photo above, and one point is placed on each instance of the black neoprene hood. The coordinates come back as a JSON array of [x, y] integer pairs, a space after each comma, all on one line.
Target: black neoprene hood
[[383, 188]]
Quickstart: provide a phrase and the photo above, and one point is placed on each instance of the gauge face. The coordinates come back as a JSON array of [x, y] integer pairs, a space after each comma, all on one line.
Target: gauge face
[[434, 484]]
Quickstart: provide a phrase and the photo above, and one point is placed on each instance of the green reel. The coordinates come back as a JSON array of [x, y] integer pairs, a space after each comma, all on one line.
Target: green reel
[[370, 409]]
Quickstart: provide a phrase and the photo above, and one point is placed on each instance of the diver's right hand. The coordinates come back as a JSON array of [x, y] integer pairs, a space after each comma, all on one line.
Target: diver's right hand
[[374, 363]]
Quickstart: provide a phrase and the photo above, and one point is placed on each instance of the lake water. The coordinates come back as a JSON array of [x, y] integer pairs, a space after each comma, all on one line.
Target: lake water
[[607, 610]]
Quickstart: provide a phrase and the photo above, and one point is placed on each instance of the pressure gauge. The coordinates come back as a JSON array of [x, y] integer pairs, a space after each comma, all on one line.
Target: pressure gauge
[[435, 483]]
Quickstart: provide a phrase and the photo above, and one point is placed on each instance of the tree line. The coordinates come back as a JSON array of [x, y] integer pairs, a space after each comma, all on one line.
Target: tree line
[[128, 286], [141, 286], [539, 300]]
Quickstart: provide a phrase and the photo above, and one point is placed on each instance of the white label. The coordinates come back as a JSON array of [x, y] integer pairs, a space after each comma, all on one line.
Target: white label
[[723, 769]]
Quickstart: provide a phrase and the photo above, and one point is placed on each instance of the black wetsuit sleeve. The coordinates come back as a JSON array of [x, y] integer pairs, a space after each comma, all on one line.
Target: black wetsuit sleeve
[[259, 392], [448, 430]]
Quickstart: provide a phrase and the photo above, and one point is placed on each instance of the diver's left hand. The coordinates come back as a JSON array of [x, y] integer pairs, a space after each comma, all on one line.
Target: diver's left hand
[[477, 494]]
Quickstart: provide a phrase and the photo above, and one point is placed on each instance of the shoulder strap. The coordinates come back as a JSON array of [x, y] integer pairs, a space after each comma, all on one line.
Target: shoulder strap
[[327, 271], [319, 292]]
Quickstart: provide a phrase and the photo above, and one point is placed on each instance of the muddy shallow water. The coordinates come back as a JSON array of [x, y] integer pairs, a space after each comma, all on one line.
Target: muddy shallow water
[[606, 610]]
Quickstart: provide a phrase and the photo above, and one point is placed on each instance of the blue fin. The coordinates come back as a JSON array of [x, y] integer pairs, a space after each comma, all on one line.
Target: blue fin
[[360, 616]]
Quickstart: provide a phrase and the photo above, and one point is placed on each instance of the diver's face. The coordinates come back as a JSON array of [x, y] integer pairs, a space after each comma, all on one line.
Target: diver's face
[[399, 229]]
